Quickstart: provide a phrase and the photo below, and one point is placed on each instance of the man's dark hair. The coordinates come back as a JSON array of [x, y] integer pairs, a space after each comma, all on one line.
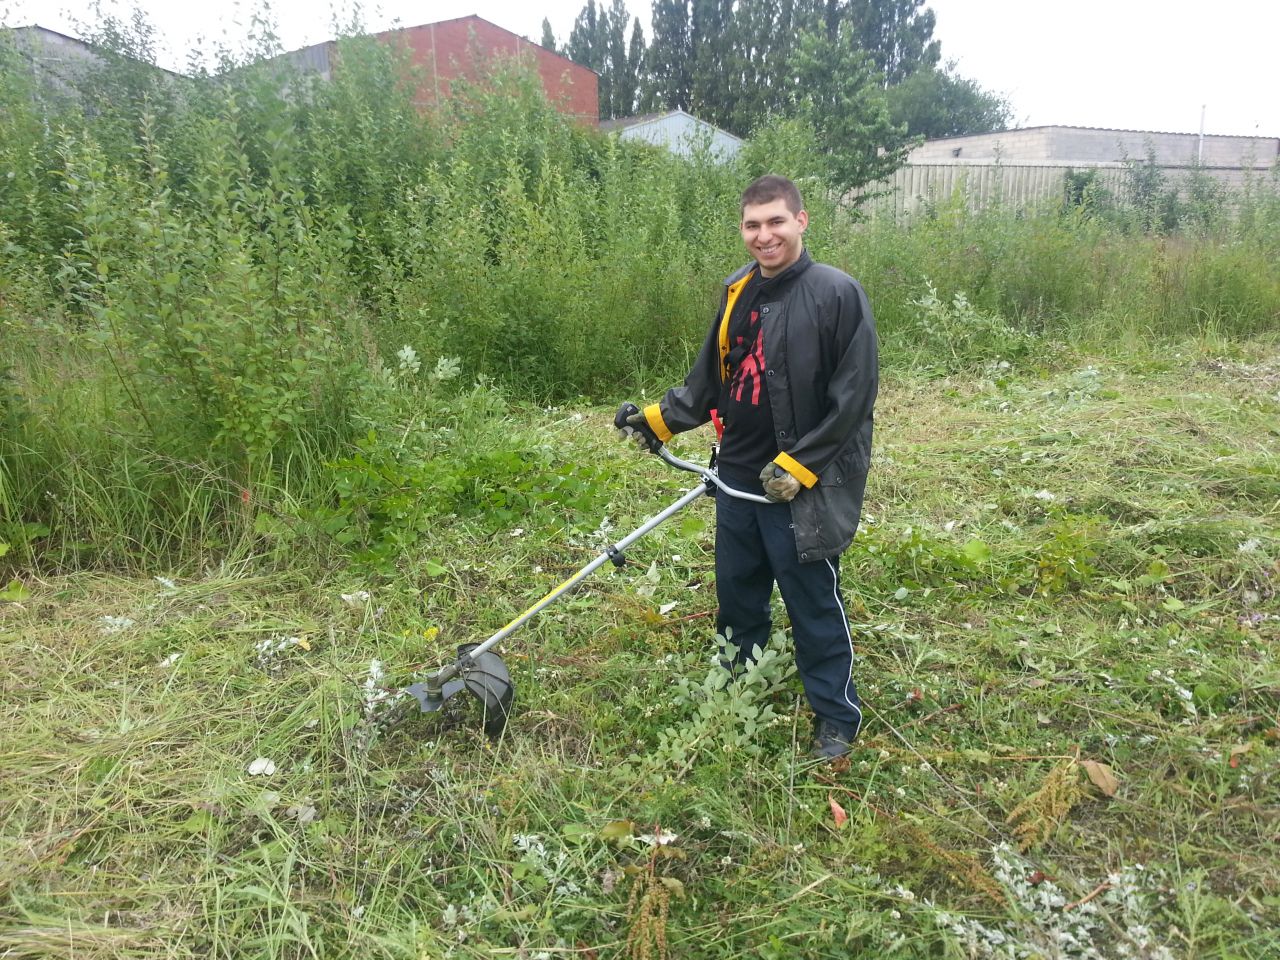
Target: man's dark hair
[[772, 187]]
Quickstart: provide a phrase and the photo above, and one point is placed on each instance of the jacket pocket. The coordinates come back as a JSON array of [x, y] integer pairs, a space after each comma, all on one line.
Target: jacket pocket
[[844, 468]]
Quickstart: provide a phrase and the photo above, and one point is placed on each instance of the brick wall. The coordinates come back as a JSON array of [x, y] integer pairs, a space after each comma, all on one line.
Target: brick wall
[[451, 49]]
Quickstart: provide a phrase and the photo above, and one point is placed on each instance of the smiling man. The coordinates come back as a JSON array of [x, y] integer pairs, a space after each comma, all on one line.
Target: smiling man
[[791, 364]]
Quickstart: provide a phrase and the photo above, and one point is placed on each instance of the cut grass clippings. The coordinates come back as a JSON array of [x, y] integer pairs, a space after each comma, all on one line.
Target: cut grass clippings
[[1064, 603]]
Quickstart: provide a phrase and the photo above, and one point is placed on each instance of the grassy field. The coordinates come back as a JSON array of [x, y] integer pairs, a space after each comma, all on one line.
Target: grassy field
[[1064, 598]]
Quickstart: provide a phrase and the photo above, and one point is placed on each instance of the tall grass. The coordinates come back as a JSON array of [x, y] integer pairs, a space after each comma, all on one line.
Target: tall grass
[[205, 284]]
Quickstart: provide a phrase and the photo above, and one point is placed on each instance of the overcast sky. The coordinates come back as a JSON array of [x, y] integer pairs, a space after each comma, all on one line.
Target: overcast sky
[[1130, 64]]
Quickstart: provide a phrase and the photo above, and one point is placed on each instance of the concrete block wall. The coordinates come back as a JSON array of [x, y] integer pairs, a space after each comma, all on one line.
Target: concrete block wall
[[1088, 145]]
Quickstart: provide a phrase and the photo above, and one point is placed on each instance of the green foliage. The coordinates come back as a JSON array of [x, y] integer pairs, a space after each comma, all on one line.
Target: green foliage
[[391, 493], [203, 281], [731, 708], [1066, 558], [789, 146], [737, 65], [897, 33], [956, 335], [837, 90], [203, 714], [599, 41], [669, 59], [934, 102]]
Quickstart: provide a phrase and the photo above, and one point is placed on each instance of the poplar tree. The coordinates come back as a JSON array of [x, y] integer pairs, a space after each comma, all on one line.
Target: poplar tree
[[589, 46], [622, 81], [636, 68], [712, 96], [898, 35], [670, 56]]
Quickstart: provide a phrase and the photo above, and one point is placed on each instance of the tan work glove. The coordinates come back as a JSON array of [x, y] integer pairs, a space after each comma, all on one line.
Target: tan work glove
[[779, 486]]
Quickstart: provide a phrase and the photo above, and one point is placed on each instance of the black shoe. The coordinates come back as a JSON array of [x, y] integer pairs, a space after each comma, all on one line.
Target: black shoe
[[831, 740]]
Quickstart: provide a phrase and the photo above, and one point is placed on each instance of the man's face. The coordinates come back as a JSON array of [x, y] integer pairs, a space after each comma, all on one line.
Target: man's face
[[773, 235]]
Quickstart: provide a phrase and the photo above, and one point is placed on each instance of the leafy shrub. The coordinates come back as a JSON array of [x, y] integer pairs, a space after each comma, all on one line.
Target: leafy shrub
[[730, 709], [954, 336]]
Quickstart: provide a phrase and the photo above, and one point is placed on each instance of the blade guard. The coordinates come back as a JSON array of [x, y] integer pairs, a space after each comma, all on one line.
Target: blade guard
[[485, 677]]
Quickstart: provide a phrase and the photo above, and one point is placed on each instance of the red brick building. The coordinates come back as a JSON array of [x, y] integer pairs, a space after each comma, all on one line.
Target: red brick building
[[451, 49]]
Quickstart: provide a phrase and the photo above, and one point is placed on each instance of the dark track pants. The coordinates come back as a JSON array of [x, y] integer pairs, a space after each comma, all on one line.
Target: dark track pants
[[756, 546]]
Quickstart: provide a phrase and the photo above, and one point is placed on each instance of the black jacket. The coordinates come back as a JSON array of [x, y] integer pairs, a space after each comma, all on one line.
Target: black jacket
[[822, 367]]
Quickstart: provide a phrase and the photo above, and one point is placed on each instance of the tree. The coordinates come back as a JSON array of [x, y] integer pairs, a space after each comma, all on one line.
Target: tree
[[937, 102], [836, 88], [824, 63], [898, 35], [599, 41], [622, 81], [636, 68], [760, 50], [548, 38], [670, 57], [589, 46], [713, 97]]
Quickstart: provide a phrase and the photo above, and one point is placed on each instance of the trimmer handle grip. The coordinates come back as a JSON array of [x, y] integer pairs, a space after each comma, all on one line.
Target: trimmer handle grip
[[640, 431], [628, 409]]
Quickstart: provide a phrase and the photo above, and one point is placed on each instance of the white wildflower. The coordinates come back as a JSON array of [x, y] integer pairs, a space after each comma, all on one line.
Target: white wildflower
[[356, 598], [660, 839], [1249, 546], [1045, 495]]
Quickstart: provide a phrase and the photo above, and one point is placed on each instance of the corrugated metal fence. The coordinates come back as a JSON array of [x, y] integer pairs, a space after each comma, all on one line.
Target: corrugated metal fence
[[919, 187]]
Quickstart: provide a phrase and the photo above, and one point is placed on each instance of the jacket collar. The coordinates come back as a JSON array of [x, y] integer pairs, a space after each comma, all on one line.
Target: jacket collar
[[800, 266]]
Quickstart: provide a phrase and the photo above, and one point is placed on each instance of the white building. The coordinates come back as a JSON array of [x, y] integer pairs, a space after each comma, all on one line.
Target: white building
[[681, 133]]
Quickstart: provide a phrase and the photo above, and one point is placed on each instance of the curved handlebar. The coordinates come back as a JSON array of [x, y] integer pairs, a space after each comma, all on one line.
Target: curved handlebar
[[708, 475]]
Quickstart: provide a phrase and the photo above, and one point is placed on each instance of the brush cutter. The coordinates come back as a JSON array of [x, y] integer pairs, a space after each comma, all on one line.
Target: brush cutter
[[480, 672]]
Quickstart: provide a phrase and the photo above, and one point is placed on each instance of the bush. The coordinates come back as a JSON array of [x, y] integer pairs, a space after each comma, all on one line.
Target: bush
[[203, 280]]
